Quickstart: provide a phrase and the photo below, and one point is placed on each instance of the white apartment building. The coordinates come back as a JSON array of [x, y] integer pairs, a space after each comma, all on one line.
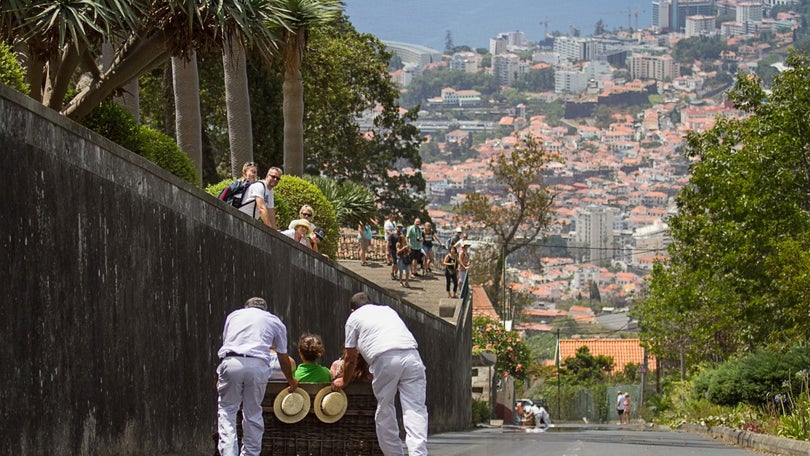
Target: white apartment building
[[594, 230], [660, 68], [464, 61], [498, 45], [508, 68], [576, 49], [453, 97], [569, 79], [700, 26], [749, 12]]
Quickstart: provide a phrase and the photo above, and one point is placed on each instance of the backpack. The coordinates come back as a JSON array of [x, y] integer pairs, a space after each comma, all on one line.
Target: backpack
[[451, 242], [233, 193]]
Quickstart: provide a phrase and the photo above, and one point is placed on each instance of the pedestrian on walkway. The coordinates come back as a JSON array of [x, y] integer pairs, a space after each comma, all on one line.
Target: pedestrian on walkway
[[378, 334], [450, 263]]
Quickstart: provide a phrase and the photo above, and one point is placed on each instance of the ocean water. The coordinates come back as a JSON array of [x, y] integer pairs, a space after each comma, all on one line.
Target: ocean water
[[474, 22]]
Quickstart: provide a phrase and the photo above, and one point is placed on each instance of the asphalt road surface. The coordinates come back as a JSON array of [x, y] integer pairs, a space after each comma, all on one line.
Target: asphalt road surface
[[568, 441]]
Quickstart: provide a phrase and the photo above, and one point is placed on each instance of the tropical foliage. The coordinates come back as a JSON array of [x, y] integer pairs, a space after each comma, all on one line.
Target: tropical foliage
[[352, 202], [739, 268], [61, 39], [514, 358]]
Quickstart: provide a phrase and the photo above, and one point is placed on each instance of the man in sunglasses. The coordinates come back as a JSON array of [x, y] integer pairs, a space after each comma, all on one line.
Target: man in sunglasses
[[259, 201]]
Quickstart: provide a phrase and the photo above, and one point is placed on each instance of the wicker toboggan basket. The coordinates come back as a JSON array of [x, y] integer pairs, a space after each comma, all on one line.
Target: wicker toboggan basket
[[352, 435]]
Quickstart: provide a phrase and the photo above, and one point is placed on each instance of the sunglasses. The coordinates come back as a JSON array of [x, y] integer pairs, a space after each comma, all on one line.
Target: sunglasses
[[306, 214], [275, 177]]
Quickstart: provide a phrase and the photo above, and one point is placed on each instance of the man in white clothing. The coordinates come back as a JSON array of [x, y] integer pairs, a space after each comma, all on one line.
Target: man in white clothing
[[242, 375], [259, 200], [378, 334], [540, 415]]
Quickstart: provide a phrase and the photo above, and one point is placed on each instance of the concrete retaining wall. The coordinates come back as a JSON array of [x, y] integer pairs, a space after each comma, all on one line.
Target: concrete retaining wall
[[117, 280]]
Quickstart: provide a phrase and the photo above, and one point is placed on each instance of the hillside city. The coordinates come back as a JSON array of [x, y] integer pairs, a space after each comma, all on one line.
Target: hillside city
[[616, 107]]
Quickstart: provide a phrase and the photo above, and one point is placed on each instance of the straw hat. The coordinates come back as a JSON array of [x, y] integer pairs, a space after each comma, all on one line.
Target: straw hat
[[330, 406], [291, 407], [300, 222]]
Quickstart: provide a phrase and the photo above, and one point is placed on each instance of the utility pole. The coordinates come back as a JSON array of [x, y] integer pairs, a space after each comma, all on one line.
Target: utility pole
[[559, 379]]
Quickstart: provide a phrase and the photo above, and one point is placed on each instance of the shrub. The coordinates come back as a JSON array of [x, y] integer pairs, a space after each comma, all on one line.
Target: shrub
[[292, 193], [11, 73], [163, 151], [117, 124], [753, 378], [480, 412]]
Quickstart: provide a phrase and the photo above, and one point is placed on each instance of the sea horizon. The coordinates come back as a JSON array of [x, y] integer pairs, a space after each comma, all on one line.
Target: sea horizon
[[474, 22]]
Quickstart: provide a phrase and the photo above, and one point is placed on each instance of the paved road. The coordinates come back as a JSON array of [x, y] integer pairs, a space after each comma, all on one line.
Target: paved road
[[579, 441]]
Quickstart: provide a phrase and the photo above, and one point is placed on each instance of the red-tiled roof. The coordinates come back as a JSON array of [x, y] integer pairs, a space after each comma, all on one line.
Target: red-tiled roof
[[623, 351], [481, 303]]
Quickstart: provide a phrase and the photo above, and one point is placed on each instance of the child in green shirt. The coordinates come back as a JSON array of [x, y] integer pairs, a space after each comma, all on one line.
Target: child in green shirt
[[310, 348]]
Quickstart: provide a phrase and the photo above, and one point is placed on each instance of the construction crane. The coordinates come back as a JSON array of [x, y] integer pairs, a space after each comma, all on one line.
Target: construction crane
[[544, 23], [638, 10]]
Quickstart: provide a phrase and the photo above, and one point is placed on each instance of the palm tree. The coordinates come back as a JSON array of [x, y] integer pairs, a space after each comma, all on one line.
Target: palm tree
[[304, 14], [187, 119]]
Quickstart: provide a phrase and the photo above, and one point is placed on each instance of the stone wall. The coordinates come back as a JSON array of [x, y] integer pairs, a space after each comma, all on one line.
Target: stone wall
[[118, 278]]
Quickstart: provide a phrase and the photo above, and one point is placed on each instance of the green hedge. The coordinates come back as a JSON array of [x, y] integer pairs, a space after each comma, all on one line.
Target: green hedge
[[117, 124]]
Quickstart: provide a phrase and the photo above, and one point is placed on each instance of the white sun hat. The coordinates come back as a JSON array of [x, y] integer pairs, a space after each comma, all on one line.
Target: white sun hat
[[330, 406], [291, 407]]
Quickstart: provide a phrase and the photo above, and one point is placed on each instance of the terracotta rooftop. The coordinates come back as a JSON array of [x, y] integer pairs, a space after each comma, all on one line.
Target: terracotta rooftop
[[623, 351]]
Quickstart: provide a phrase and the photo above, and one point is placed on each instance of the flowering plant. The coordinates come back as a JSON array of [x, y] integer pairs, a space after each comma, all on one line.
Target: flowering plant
[[513, 355]]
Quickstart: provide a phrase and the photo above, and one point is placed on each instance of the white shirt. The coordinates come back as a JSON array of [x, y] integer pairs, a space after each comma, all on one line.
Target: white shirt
[[291, 234], [257, 189], [252, 331], [373, 329], [390, 227]]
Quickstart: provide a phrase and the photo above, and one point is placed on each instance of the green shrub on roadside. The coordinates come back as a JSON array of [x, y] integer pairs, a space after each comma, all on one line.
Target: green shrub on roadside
[[11, 73], [754, 378], [480, 412]]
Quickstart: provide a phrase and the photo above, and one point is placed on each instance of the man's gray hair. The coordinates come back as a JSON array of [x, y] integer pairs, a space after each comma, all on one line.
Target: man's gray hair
[[358, 300], [256, 302]]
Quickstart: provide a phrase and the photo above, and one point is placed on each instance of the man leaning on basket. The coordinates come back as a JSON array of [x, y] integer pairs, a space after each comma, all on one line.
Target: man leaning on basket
[[242, 375], [378, 334]]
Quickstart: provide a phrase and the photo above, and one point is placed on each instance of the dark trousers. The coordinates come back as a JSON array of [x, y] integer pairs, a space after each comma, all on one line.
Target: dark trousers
[[451, 277]]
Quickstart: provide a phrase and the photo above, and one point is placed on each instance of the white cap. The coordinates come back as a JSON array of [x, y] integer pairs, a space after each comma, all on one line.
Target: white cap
[[458, 230]]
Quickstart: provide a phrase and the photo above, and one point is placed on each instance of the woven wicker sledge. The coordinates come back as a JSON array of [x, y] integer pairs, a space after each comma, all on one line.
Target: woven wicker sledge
[[354, 434]]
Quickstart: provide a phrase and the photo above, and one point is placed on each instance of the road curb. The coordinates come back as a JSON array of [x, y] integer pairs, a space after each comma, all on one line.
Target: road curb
[[746, 439]]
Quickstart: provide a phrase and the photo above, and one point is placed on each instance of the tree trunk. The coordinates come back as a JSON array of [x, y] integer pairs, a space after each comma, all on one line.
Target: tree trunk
[[293, 90], [237, 103], [188, 123], [130, 99], [136, 58]]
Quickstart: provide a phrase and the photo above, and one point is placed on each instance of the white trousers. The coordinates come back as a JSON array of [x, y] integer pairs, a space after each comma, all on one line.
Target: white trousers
[[242, 381], [403, 371]]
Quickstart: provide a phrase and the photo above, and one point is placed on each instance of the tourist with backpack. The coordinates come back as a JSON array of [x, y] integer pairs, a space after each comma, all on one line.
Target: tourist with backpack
[[259, 202], [233, 193]]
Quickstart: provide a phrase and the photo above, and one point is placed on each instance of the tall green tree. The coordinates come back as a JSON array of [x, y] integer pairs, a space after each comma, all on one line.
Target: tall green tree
[[304, 16], [524, 210], [736, 279]]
